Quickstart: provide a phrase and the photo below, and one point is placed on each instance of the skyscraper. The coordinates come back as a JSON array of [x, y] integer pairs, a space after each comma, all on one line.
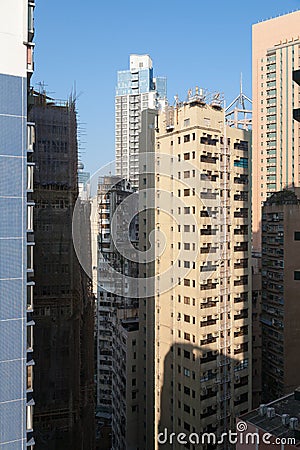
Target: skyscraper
[[195, 330], [136, 90], [275, 54], [16, 226]]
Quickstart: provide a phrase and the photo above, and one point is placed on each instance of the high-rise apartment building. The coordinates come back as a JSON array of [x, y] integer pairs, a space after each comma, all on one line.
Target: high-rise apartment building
[[275, 54], [16, 226], [117, 321], [195, 329], [64, 305], [137, 89], [280, 292], [125, 382]]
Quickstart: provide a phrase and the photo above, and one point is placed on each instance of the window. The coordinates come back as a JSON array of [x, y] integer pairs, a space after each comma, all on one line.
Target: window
[[186, 174], [29, 377], [30, 137], [186, 390], [29, 417], [297, 236], [186, 228], [187, 318], [29, 257], [29, 296], [186, 192], [186, 372], [186, 210], [186, 138], [297, 275], [186, 354], [186, 246], [186, 122], [29, 337], [29, 177], [186, 156], [186, 300], [29, 217]]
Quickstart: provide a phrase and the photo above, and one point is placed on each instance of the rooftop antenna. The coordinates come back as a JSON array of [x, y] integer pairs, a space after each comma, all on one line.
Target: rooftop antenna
[[237, 114]]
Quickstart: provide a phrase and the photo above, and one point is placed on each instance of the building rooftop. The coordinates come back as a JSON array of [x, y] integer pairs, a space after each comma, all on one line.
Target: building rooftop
[[285, 197], [286, 408]]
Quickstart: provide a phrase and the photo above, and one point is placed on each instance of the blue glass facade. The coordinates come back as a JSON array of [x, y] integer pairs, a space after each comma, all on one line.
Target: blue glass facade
[[13, 261], [161, 87], [134, 83]]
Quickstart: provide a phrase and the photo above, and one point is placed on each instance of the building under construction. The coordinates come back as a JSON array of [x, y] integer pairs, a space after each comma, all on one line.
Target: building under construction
[[64, 307]]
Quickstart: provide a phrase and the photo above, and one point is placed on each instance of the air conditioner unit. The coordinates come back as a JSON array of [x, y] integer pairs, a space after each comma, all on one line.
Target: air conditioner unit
[[285, 419], [271, 413], [293, 423]]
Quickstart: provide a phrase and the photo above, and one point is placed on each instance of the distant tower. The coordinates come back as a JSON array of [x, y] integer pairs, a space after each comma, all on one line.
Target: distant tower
[[136, 90]]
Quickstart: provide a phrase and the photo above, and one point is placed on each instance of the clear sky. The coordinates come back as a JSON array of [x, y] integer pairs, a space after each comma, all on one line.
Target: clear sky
[[192, 42]]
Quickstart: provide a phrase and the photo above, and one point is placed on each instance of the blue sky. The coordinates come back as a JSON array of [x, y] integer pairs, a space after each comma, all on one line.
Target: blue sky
[[204, 43]]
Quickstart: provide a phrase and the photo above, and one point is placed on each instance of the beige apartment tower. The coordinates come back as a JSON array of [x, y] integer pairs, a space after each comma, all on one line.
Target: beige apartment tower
[[195, 331], [275, 53]]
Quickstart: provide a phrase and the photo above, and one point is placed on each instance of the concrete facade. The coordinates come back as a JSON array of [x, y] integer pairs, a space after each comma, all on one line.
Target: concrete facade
[[280, 292], [195, 331], [275, 54]]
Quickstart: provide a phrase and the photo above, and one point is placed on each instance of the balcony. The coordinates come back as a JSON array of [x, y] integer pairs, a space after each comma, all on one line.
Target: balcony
[[207, 323], [207, 341], [241, 265], [208, 159], [242, 231], [208, 195], [207, 140], [208, 286], [242, 315], [242, 145], [243, 297], [242, 197], [243, 213], [209, 358], [243, 247], [241, 349], [208, 231], [208, 249], [241, 180]]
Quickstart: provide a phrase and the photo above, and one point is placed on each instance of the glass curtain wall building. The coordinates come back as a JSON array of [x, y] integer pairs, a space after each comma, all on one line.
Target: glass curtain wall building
[[16, 226]]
